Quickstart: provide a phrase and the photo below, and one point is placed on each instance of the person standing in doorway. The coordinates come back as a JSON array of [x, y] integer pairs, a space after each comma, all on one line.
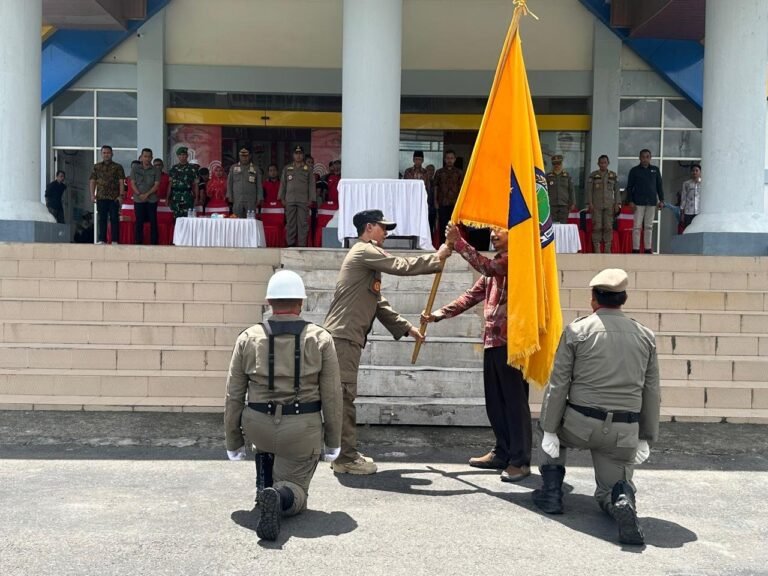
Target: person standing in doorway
[[271, 185], [690, 196], [107, 186], [54, 193], [297, 192], [447, 184], [244, 185], [645, 193]]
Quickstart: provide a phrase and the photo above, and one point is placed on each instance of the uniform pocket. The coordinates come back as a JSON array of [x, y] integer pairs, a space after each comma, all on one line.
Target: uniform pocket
[[627, 439], [574, 426]]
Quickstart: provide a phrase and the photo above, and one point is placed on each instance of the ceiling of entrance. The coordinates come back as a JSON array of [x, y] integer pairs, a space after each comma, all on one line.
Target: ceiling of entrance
[[671, 19], [92, 14]]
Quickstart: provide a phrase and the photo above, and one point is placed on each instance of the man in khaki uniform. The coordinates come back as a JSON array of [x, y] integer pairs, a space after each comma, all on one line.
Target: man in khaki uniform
[[297, 192], [287, 372], [244, 185], [603, 201], [560, 188], [356, 304], [603, 396]]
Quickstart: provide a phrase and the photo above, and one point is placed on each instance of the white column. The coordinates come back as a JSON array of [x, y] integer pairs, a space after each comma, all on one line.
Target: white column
[[372, 51], [20, 110], [734, 136], [150, 85]]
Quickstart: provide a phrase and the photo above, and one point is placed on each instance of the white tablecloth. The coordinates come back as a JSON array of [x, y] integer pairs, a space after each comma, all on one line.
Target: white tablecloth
[[567, 239], [219, 232], [402, 201]]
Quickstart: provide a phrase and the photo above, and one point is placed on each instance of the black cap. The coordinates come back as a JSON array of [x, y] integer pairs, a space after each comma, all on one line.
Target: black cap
[[246, 149], [418, 154], [372, 217], [299, 149]]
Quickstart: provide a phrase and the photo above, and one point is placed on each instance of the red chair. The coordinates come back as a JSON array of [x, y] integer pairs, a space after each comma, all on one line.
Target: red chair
[[325, 213], [273, 217], [585, 231], [625, 222], [165, 224], [127, 222]]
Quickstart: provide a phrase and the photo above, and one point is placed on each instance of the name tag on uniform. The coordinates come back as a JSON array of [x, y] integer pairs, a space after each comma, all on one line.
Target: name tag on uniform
[[251, 179], [237, 169], [290, 176]]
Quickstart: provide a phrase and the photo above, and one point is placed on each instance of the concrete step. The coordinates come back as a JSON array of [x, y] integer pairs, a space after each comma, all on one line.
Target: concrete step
[[405, 302], [468, 325], [106, 333], [125, 310], [325, 280], [691, 321], [323, 259], [438, 351], [150, 290]]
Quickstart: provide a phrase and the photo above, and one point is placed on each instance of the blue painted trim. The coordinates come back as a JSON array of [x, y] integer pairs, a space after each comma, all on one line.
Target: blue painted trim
[[68, 54], [679, 62]]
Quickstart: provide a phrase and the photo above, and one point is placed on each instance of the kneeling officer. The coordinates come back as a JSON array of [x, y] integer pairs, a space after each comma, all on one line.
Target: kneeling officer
[[284, 373]]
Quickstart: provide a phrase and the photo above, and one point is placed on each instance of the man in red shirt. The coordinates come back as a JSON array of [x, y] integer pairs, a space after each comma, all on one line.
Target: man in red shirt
[[332, 182], [506, 392], [271, 184]]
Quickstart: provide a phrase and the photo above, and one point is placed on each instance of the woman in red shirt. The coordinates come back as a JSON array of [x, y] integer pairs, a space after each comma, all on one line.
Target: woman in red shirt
[[217, 193]]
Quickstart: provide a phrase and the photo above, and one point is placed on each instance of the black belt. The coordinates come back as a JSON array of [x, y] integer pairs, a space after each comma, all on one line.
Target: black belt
[[288, 409], [624, 417]]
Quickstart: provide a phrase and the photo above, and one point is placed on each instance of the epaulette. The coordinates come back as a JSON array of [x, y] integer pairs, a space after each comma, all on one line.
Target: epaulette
[[579, 319]]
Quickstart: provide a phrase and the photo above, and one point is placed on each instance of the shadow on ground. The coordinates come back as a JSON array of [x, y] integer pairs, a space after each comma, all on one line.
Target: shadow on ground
[[581, 511], [308, 524]]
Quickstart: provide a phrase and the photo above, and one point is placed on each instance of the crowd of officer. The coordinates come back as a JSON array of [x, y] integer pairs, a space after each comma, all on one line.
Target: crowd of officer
[[292, 385]]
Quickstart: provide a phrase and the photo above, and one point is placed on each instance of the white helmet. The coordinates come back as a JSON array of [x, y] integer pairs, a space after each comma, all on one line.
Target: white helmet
[[286, 285]]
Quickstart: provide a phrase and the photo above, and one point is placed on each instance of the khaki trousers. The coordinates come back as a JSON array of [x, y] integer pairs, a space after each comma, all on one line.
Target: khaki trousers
[[602, 228], [348, 354], [613, 446], [296, 440], [296, 228], [242, 205], [644, 216], [559, 213]]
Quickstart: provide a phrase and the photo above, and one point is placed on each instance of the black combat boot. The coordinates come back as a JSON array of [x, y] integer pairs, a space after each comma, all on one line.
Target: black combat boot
[[549, 497], [272, 503], [622, 509], [264, 463]]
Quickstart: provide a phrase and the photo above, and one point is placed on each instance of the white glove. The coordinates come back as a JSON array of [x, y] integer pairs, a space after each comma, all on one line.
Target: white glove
[[643, 451], [238, 454], [550, 443], [330, 454]]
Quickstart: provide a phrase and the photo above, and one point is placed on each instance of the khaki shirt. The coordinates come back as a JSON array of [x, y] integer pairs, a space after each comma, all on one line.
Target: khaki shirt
[[248, 379], [603, 189], [244, 183], [560, 188], [608, 361], [297, 185], [358, 300]]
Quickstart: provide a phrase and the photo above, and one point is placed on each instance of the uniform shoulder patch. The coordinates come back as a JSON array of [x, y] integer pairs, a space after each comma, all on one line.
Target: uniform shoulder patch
[[581, 318]]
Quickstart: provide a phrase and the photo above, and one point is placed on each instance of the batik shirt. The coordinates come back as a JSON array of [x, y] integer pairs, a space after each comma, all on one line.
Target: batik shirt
[[107, 177]]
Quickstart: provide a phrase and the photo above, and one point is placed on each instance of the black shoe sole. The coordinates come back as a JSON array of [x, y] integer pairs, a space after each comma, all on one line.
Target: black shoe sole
[[546, 506], [269, 522], [492, 465], [629, 527]]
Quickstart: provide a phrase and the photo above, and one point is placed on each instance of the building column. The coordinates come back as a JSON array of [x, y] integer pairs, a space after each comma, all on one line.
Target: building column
[[150, 86], [20, 110], [606, 96], [371, 71], [734, 124]]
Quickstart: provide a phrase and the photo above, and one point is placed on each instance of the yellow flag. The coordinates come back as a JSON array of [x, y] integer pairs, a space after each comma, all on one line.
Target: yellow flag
[[505, 187]]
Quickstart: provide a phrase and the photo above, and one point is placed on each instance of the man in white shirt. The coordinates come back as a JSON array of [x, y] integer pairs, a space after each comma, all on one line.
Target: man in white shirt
[[689, 197]]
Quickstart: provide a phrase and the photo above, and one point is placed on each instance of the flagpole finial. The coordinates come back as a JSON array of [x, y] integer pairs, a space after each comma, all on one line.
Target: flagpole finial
[[522, 5]]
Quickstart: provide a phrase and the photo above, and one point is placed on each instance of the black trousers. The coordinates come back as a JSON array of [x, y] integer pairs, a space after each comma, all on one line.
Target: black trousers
[[146, 212], [108, 209], [506, 403], [444, 214], [57, 212]]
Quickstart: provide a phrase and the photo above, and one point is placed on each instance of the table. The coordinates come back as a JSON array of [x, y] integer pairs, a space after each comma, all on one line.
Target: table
[[402, 201], [219, 232], [567, 239]]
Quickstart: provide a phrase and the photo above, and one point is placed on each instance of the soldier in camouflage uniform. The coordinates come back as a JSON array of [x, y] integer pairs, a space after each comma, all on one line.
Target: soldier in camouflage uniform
[[184, 187], [603, 202], [560, 187]]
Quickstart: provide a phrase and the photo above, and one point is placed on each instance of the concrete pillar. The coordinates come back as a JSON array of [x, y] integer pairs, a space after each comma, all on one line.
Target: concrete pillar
[[371, 69], [734, 125], [606, 94], [20, 110], [150, 85]]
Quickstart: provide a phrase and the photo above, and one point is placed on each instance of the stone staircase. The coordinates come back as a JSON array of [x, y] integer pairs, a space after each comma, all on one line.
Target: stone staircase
[[139, 328]]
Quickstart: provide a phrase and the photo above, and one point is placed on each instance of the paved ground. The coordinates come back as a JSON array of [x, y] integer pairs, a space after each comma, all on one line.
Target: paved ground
[[126, 493]]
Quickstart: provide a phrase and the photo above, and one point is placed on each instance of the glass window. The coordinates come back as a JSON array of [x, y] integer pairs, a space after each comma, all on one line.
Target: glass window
[[116, 104], [125, 157], [632, 141], [625, 166], [75, 133], [682, 143], [116, 133], [640, 113], [681, 114], [74, 103]]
